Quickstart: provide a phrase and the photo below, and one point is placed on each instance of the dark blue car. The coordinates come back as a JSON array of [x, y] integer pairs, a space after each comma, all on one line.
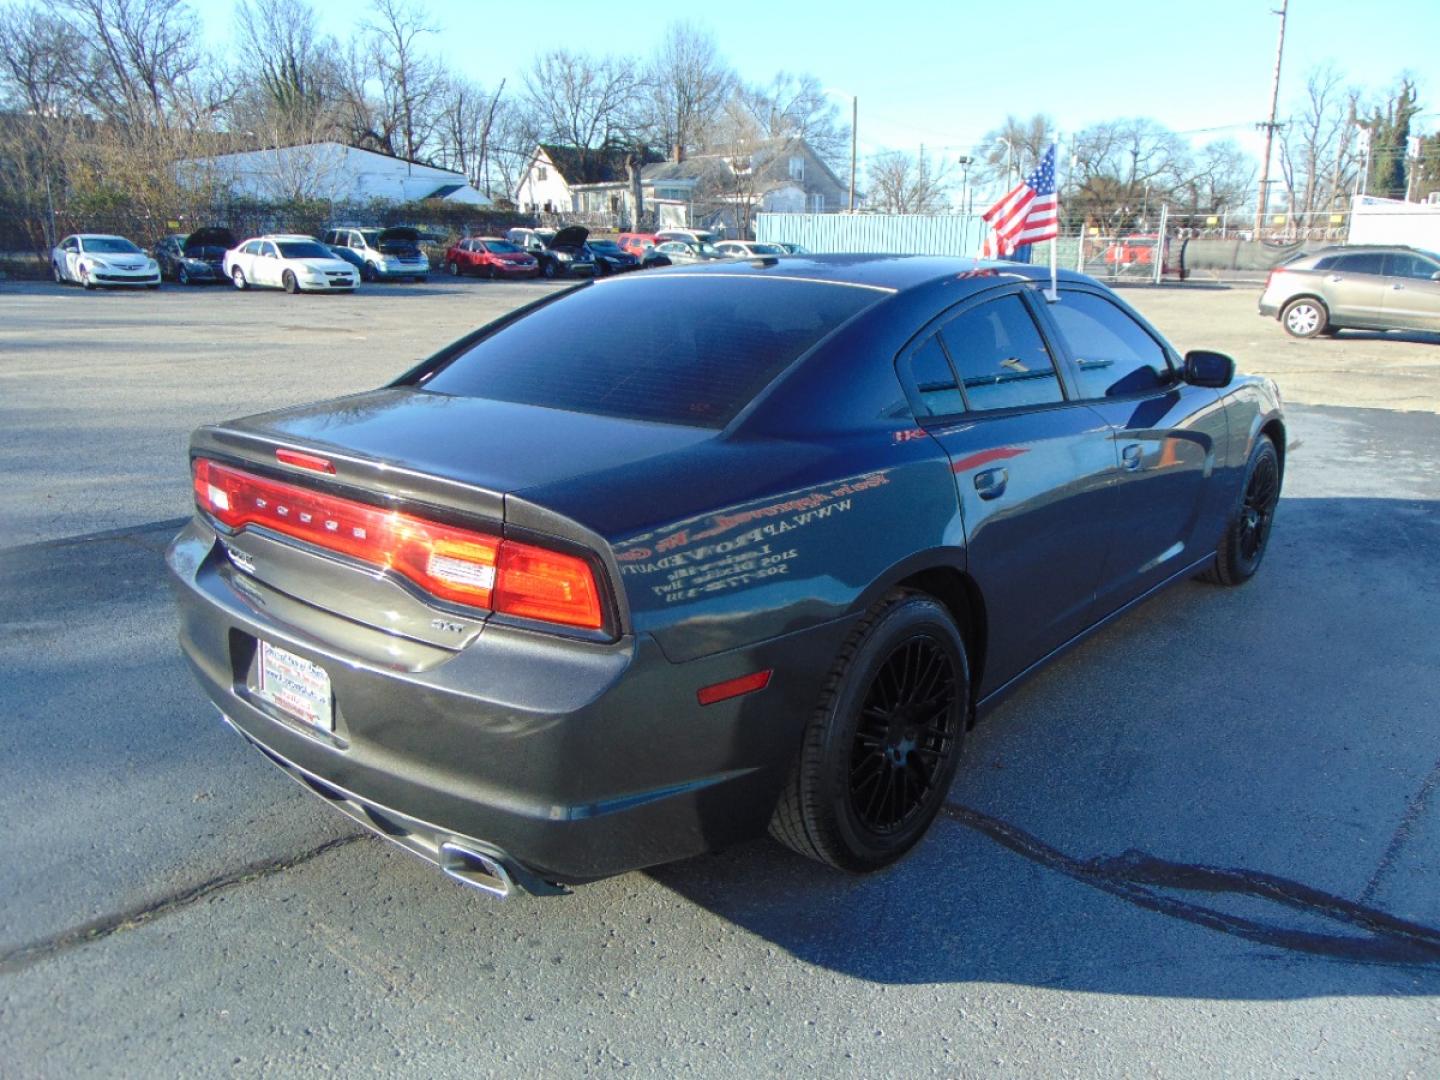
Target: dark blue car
[[663, 562]]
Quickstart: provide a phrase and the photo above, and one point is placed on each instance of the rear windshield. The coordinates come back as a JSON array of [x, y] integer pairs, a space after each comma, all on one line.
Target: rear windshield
[[683, 350]]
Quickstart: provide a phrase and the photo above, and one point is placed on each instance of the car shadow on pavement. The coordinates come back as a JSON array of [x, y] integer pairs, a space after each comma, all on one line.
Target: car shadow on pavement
[[1221, 784]]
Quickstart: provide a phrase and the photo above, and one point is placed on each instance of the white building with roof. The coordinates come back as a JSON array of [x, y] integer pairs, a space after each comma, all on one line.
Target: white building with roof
[[328, 170]]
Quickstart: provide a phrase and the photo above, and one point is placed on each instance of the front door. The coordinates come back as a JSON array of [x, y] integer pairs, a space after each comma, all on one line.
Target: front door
[[1166, 436], [1034, 474], [1412, 295]]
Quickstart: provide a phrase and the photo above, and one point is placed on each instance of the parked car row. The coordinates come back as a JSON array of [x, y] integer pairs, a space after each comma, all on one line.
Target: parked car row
[[347, 256]]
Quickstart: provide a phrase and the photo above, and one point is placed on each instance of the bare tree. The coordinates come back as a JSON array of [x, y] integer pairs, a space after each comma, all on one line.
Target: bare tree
[[294, 67], [467, 119], [688, 83], [791, 108], [1014, 148], [1318, 156], [901, 183], [579, 100], [411, 80], [142, 55]]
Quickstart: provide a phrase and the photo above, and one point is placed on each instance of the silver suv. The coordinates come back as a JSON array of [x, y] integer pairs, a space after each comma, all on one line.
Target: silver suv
[[1355, 288]]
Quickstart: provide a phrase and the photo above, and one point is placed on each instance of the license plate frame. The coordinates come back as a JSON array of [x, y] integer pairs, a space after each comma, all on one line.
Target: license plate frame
[[299, 688]]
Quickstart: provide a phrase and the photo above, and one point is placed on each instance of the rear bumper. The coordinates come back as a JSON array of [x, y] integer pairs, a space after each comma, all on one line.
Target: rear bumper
[[568, 761]]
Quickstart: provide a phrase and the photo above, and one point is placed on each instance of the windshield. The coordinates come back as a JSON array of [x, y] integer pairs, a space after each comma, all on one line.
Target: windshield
[[372, 236], [681, 350], [609, 247], [303, 249], [500, 247], [110, 245], [767, 249]]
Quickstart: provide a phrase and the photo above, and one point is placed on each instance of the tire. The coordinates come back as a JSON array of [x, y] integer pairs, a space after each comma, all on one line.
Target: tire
[[182, 276], [453, 269], [1304, 317], [871, 774], [237, 276], [547, 270], [288, 282], [59, 274], [1247, 534], [367, 273], [86, 280]]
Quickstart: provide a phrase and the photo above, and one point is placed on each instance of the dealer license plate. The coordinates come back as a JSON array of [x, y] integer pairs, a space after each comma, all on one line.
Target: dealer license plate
[[296, 686]]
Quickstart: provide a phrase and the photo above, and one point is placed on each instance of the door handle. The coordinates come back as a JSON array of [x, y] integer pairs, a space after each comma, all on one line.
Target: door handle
[[1132, 456], [991, 483]]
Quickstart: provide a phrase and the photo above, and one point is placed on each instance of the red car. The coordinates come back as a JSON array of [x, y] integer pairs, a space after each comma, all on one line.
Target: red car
[[636, 243], [489, 257]]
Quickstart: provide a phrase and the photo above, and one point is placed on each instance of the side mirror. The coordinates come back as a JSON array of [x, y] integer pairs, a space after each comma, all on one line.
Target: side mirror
[[1435, 276], [1206, 368]]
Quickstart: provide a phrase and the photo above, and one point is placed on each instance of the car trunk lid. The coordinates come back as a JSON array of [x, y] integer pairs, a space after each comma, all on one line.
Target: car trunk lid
[[440, 458]]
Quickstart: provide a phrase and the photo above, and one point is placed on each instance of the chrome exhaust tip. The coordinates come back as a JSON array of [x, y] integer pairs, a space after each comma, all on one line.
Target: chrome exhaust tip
[[476, 870]]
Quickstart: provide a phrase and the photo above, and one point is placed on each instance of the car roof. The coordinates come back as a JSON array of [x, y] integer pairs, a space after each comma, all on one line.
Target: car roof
[[96, 236], [891, 272]]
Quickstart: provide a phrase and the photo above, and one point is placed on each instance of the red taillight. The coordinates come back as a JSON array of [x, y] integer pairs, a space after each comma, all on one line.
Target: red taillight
[[455, 564]]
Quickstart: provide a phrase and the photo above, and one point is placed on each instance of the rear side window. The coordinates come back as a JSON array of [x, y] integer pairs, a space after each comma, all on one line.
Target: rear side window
[[1370, 262], [936, 390], [1114, 353], [682, 350], [1002, 360]]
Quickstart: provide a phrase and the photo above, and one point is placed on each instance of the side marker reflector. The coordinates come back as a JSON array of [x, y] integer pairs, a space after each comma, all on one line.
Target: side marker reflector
[[745, 684]]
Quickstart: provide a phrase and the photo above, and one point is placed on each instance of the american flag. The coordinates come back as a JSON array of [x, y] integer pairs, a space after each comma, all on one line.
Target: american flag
[[1026, 214]]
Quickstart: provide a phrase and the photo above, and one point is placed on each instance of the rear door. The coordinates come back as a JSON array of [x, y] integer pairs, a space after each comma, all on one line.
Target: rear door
[[1354, 288], [1034, 472], [1412, 296], [1166, 436]]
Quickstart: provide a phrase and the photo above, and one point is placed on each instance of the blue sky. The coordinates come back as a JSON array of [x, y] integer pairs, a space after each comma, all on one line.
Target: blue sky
[[940, 73]]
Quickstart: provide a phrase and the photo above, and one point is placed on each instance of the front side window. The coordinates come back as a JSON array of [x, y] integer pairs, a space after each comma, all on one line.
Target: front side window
[[71, 244], [1115, 354], [1001, 358], [252, 248], [1400, 264]]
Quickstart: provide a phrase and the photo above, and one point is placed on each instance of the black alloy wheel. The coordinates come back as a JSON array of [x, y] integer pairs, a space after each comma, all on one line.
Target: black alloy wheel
[[882, 747], [906, 732], [182, 276], [1243, 546]]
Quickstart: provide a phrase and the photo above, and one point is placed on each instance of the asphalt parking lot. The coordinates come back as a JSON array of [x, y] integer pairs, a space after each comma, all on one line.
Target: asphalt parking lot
[[1206, 841]]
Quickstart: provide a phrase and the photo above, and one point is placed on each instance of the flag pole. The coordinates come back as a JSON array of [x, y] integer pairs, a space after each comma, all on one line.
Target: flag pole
[[1054, 294]]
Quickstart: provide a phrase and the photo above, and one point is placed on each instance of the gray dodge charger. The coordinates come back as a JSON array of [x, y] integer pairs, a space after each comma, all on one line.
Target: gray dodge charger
[[662, 562]]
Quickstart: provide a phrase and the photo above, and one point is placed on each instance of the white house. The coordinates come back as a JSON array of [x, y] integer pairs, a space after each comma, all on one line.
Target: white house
[[328, 170]]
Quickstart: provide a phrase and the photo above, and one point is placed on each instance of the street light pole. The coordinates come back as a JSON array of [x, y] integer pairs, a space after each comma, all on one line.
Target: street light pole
[[1263, 202]]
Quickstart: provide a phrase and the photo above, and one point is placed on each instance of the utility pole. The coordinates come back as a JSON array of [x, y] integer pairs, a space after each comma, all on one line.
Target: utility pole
[[1269, 127], [854, 138]]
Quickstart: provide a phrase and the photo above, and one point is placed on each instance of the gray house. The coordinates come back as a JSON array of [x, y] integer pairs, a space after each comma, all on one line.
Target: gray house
[[722, 190]]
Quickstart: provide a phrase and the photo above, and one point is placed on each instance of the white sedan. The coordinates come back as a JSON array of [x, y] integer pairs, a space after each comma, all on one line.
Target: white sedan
[[292, 263], [92, 259]]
